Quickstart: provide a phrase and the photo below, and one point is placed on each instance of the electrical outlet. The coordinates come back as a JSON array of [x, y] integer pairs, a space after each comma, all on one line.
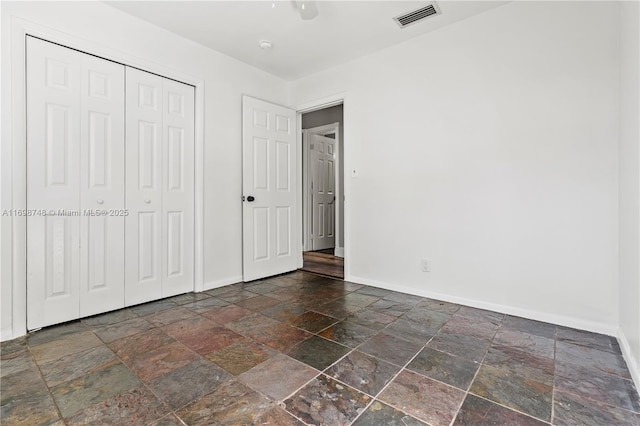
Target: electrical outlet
[[426, 265]]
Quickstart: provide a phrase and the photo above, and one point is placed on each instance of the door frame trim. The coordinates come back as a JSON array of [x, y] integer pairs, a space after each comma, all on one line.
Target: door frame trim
[[13, 162], [315, 105], [322, 131]]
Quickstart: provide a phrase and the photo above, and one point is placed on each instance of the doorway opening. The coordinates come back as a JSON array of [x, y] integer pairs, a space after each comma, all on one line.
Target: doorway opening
[[322, 191]]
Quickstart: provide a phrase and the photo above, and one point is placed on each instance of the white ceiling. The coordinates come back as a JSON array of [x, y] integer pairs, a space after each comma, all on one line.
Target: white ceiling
[[342, 31]]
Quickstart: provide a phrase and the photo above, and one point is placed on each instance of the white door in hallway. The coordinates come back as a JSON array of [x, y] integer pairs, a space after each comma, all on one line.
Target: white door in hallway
[[75, 147], [159, 188], [322, 163], [269, 184]]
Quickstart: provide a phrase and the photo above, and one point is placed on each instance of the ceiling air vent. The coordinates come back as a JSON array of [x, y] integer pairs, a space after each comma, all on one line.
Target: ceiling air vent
[[417, 15]]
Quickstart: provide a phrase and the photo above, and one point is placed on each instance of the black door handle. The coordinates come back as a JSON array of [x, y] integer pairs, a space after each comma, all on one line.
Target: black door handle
[[250, 198]]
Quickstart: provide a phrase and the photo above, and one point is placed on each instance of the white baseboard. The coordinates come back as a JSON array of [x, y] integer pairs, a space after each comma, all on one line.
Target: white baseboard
[[221, 283], [581, 324], [632, 361], [338, 252]]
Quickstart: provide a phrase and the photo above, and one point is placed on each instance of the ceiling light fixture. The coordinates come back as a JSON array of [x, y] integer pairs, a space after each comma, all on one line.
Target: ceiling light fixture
[[265, 44]]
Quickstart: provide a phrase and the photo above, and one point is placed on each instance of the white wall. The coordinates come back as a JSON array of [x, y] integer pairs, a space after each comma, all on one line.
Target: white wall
[[630, 185], [491, 148], [225, 81]]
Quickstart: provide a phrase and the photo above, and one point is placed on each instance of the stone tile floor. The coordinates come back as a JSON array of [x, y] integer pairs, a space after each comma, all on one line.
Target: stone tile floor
[[300, 348]]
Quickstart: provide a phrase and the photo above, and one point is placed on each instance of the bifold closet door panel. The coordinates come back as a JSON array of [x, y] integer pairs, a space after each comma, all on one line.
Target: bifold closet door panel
[[144, 155], [178, 188], [102, 196], [75, 179], [53, 183]]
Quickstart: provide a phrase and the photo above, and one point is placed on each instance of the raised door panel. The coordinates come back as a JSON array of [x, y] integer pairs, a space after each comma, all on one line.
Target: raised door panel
[[269, 152], [178, 188], [53, 183], [143, 152], [102, 186]]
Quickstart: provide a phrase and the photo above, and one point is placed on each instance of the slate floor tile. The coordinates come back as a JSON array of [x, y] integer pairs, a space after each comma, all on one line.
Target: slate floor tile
[[161, 360], [75, 365], [403, 298], [152, 307], [597, 386], [110, 318], [284, 311], [363, 372], [390, 307], [529, 326], [241, 356], [17, 386], [450, 369], [169, 316], [317, 352], [339, 310], [74, 396], [140, 344], [135, 407], [183, 299], [188, 383], [432, 402], [20, 361], [587, 339], [526, 342], [324, 401], [32, 409], [412, 331], [476, 411], [64, 346], [251, 325], [206, 305], [481, 329], [591, 359], [526, 364], [525, 395], [278, 417], [281, 336], [232, 403], [463, 346], [371, 319], [313, 322], [391, 349], [348, 333], [268, 376], [383, 414], [438, 306], [227, 314], [56, 333], [257, 303], [570, 409], [123, 329], [373, 291]]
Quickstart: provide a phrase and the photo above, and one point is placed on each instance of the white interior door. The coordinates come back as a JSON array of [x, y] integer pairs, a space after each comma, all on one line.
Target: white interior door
[[53, 183], [322, 161], [178, 188], [269, 225], [159, 188], [102, 186], [144, 150]]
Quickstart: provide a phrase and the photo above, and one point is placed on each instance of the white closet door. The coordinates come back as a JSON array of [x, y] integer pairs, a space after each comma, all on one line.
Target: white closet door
[[144, 153], [53, 183], [178, 182], [102, 186]]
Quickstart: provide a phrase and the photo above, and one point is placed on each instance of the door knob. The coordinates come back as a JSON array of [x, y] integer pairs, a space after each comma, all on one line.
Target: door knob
[[148, 201], [250, 198], [100, 201]]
